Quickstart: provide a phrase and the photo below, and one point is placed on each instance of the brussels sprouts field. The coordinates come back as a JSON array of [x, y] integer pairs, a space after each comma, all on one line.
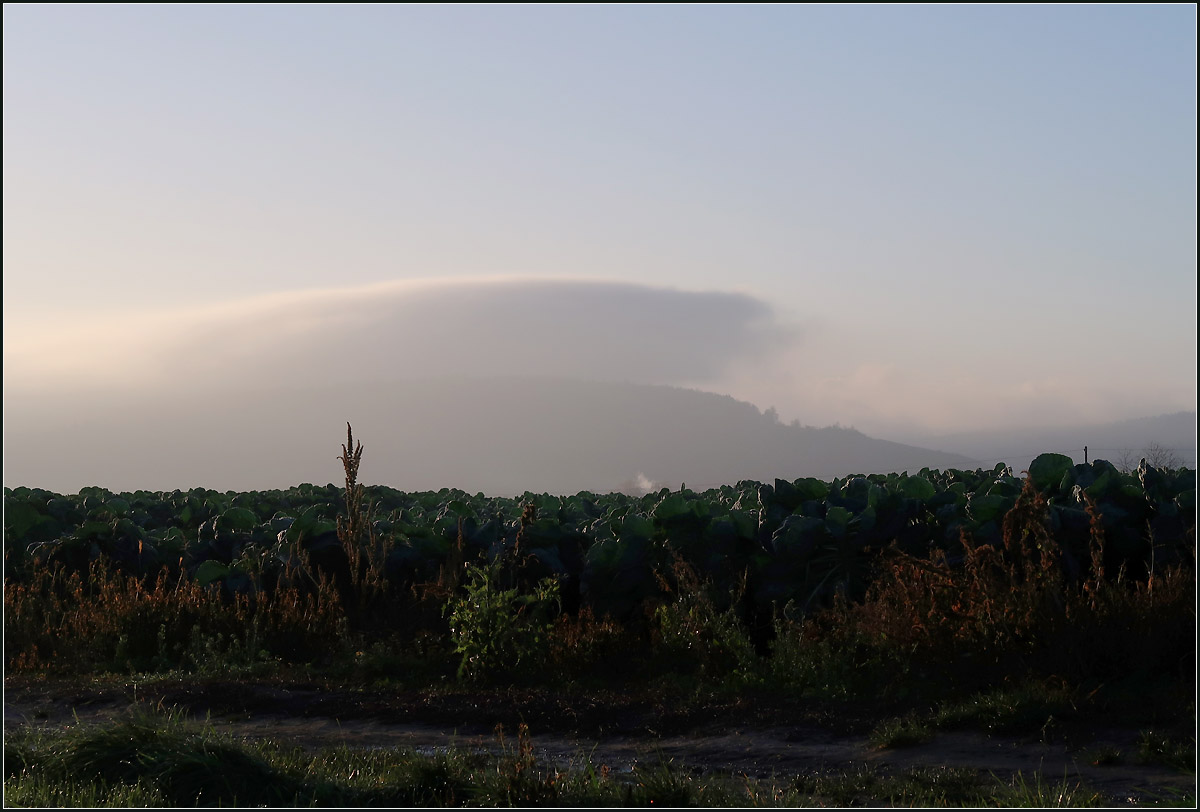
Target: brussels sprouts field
[[911, 599]]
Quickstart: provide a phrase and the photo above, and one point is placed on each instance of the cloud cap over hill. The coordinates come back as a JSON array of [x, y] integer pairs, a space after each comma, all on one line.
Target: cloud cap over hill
[[591, 329]]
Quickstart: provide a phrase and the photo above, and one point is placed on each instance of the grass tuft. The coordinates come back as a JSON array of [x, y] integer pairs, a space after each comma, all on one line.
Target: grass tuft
[[907, 731], [1155, 747]]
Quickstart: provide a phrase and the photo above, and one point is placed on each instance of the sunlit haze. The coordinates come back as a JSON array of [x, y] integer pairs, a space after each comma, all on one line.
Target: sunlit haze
[[915, 221]]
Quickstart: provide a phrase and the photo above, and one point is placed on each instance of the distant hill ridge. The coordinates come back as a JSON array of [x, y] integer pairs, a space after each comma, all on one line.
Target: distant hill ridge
[[1120, 441], [501, 436]]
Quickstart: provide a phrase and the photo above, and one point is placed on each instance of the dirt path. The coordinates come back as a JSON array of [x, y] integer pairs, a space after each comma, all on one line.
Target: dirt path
[[613, 735]]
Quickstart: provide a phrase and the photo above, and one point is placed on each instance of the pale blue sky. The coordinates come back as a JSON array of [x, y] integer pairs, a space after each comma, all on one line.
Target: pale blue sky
[[959, 217]]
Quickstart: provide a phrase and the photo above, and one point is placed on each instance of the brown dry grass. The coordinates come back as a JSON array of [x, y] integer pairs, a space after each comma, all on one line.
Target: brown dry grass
[[75, 622], [1009, 613]]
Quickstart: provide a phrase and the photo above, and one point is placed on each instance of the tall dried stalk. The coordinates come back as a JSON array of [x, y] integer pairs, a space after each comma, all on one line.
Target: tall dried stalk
[[364, 553], [350, 526]]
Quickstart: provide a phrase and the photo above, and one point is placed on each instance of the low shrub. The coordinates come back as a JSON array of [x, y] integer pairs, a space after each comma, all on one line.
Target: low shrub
[[500, 632]]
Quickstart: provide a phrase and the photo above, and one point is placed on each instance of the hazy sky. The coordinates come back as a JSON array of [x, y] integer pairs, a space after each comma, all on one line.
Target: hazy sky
[[892, 217]]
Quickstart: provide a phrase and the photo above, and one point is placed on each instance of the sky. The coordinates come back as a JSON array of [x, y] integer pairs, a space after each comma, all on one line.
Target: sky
[[907, 219]]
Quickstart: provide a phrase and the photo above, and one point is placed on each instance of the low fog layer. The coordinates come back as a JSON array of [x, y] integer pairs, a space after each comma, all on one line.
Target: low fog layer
[[1164, 439], [500, 436]]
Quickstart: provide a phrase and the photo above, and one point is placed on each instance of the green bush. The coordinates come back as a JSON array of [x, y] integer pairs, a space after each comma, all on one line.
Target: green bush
[[697, 636], [500, 631]]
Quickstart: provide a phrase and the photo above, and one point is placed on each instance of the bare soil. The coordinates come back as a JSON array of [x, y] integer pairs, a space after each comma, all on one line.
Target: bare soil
[[755, 736]]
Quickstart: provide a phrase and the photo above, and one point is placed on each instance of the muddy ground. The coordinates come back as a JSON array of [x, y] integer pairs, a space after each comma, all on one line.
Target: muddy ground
[[756, 736]]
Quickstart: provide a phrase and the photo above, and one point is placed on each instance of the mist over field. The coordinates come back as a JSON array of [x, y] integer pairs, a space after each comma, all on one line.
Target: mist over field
[[1165, 439], [501, 436]]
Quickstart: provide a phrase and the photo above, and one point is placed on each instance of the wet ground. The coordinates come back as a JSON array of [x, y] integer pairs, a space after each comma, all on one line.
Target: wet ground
[[753, 737]]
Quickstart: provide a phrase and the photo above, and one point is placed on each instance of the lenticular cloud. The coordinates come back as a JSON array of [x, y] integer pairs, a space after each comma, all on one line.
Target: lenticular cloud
[[585, 330]]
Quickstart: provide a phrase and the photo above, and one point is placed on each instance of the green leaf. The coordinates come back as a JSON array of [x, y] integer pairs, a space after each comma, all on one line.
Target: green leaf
[[304, 524], [917, 487], [634, 525], [988, 507], [811, 488], [238, 518], [744, 525], [866, 519], [1048, 470], [210, 571], [671, 506], [1109, 480], [1187, 501], [117, 506], [94, 529], [798, 536], [458, 507], [20, 518], [838, 517]]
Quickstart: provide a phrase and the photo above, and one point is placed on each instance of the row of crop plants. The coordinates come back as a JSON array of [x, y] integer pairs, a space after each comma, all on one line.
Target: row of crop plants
[[725, 582]]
